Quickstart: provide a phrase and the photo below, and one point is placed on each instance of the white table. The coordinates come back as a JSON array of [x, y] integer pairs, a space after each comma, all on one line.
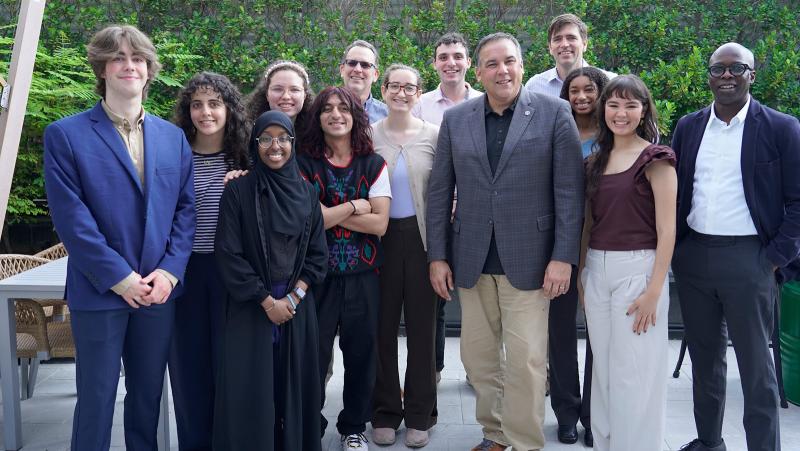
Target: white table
[[43, 282]]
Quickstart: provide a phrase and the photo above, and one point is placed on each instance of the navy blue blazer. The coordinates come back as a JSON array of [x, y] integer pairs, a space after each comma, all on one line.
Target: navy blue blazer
[[770, 168], [110, 224]]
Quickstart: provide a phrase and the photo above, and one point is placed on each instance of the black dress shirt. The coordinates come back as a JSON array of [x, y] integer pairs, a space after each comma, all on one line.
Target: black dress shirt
[[496, 131]]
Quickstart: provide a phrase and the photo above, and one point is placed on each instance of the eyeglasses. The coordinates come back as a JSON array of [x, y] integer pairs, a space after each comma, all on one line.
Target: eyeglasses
[[265, 142], [364, 64], [394, 88], [736, 69]]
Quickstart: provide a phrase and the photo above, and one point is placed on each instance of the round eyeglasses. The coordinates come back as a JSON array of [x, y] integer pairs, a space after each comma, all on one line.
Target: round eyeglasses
[[265, 142]]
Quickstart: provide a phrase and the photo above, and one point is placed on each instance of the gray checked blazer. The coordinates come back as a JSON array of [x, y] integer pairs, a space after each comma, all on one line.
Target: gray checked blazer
[[534, 201]]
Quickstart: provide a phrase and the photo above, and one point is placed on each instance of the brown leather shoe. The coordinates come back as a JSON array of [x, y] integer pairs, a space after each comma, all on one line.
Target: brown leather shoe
[[488, 445]]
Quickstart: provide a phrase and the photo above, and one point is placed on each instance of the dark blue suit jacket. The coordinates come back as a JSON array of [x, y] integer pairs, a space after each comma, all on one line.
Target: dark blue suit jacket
[[110, 224], [770, 173]]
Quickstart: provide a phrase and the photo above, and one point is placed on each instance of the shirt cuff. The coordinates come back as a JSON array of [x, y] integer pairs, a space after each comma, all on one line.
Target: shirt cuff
[[123, 285], [172, 279]]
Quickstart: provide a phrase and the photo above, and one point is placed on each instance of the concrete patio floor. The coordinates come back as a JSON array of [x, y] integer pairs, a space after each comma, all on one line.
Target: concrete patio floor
[[47, 417]]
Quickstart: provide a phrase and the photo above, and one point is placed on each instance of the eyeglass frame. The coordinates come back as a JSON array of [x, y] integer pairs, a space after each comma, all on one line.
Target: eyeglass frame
[[399, 88], [354, 62], [272, 139], [728, 68]]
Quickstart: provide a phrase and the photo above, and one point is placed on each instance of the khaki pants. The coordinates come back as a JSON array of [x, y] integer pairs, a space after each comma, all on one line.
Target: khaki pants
[[504, 351]]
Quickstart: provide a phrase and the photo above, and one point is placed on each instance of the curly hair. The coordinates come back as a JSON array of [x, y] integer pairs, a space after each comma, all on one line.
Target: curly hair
[[313, 142], [595, 75], [256, 102], [625, 87], [236, 129]]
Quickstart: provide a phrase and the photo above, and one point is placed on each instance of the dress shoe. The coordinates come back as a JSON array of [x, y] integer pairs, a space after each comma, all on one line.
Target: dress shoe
[[567, 433], [488, 445], [698, 445], [588, 438], [384, 436], [416, 438]]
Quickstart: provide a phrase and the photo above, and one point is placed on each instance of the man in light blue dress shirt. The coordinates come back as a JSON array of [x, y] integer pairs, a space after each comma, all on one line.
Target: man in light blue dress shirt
[[359, 70], [567, 38]]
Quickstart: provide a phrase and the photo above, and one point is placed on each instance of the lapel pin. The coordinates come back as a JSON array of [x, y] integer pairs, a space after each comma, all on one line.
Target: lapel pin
[[527, 113]]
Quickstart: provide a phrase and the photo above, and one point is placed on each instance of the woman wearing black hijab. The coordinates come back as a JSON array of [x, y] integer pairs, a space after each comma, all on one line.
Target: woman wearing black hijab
[[270, 247]]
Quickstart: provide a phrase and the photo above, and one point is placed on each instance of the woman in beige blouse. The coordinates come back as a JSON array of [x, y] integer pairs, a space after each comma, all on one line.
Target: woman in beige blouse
[[407, 144]]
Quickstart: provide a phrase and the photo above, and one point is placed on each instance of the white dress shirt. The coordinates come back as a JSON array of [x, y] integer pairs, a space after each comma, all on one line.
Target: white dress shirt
[[718, 202]]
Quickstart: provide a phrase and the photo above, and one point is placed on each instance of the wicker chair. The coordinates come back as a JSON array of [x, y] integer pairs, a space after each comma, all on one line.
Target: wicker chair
[[37, 337], [53, 252]]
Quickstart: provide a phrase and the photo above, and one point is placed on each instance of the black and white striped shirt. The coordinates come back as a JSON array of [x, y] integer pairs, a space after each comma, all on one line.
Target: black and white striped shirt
[[209, 171]]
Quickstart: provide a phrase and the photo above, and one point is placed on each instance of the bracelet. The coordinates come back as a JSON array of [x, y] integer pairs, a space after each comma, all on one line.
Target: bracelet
[[291, 300], [271, 306], [354, 206]]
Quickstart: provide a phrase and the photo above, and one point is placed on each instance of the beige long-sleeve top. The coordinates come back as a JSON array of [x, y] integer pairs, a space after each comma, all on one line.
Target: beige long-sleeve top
[[418, 156]]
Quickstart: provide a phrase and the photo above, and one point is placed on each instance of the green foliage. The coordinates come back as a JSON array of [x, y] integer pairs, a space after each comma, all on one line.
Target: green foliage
[[667, 43]]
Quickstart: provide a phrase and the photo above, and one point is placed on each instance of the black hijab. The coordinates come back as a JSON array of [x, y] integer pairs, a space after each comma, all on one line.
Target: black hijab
[[285, 190]]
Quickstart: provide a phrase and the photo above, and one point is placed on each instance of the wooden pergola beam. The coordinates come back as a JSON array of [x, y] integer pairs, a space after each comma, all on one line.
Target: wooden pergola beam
[[26, 41]]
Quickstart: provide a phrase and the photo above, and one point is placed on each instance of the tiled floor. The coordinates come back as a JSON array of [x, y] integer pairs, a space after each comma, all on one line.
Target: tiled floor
[[47, 417]]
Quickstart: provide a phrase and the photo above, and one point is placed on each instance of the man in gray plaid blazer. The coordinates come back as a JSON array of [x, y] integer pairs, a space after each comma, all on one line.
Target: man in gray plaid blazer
[[516, 158]]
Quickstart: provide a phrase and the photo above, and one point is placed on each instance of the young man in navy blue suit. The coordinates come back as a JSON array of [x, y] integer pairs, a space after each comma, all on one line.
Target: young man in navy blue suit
[[738, 233], [119, 188]]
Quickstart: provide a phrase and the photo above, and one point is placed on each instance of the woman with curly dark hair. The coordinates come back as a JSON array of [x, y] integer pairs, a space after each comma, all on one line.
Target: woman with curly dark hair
[[582, 89], [353, 185], [284, 87], [210, 112]]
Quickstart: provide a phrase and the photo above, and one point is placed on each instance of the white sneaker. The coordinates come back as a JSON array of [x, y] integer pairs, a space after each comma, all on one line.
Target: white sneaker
[[355, 442]]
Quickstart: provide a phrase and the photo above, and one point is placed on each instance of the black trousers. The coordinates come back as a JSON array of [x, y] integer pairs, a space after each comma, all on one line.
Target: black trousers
[[405, 289], [440, 331], [565, 389], [194, 351], [349, 304], [726, 288]]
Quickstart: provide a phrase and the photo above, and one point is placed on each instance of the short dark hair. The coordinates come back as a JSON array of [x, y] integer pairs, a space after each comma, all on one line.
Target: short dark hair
[[234, 140], [492, 38], [313, 143], [105, 45], [448, 39], [563, 20]]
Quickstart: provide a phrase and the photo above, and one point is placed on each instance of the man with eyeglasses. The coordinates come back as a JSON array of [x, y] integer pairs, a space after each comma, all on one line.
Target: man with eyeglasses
[[359, 70], [738, 236]]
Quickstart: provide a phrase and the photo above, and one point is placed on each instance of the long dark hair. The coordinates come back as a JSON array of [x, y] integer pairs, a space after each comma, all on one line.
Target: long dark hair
[[256, 102], [595, 75], [313, 142], [234, 140], [625, 87]]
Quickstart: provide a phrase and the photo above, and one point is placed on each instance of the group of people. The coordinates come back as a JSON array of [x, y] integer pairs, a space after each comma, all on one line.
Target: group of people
[[235, 247]]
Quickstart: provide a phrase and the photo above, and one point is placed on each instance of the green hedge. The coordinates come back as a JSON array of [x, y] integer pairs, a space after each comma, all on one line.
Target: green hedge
[[667, 43]]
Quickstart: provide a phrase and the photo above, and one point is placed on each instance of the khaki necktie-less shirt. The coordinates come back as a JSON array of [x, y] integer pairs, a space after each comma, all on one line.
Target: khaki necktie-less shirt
[[133, 137]]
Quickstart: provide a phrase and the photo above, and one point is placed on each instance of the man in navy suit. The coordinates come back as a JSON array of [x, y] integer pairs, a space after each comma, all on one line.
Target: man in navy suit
[[738, 233], [119, 188]]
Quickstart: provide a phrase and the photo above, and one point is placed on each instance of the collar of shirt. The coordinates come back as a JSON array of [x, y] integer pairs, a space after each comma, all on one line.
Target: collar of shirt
[[488, 108], [119, 121], [438, 94], [715, 121], [552, 74]]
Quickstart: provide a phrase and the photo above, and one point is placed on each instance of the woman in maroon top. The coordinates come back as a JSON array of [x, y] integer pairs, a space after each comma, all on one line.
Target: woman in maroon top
[[631, 190]]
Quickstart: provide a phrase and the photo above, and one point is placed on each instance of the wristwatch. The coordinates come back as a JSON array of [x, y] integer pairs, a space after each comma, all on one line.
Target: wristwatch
[[299, 292]]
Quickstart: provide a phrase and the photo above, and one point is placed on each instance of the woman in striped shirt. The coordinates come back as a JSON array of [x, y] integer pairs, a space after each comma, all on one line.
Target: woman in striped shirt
[[211, 113]]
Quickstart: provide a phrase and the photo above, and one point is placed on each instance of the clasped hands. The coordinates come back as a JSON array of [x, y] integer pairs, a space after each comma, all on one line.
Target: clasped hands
[[153, 289], [278, 311]]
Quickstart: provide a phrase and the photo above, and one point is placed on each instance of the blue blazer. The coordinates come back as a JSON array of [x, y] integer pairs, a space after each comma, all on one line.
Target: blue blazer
[[770, 168], [110, 224]]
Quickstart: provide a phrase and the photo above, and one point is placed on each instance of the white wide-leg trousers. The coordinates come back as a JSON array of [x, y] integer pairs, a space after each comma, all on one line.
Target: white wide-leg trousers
[[629, 376]]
